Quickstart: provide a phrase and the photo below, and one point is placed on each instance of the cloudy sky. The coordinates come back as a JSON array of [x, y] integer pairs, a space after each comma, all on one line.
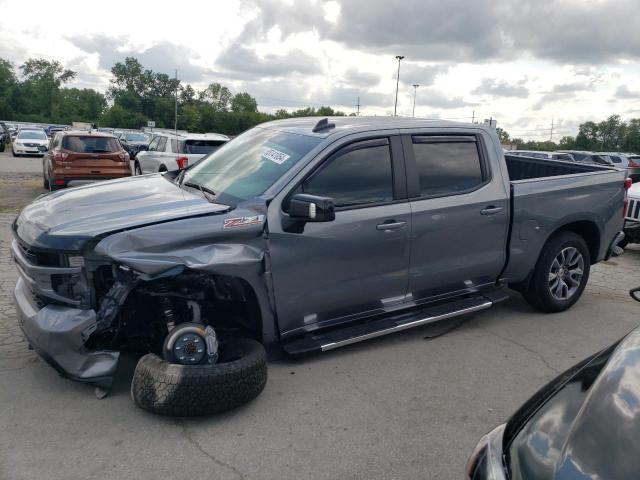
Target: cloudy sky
[[524, 62]]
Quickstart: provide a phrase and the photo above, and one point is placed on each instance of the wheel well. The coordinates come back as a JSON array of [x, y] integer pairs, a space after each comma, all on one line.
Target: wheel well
[[589, 232], [162, 168], [227, 303]]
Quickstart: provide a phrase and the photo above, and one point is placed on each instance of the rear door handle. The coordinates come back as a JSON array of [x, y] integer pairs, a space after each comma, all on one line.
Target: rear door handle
[[391, 225], [491, 210]]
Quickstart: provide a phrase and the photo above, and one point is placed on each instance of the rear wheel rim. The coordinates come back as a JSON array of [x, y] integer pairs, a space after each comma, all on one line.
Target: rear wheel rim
[[566, 274]]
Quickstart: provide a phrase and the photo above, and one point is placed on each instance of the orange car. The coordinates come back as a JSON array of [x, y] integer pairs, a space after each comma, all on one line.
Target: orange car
[[77, 157]]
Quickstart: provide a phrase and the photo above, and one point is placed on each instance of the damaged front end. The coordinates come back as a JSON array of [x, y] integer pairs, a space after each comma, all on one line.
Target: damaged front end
[[53, 302], [126, 290]]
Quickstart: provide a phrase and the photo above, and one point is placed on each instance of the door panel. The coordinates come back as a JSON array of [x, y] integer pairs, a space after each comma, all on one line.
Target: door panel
[[341, 268], [460, 218]]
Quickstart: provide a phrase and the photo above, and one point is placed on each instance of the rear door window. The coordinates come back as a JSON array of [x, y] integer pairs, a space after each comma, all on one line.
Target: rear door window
[[447, 165], [162, 143], [86, 144]]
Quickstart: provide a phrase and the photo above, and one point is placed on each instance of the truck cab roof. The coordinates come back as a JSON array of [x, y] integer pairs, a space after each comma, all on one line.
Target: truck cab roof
[[346, 125]]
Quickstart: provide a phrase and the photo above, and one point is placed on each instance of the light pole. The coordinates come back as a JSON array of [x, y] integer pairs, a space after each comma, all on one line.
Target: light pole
[[395, 109], [415, 89]]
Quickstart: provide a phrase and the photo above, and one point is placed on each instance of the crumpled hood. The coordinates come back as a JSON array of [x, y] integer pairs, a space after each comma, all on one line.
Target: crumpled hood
[[66, 219]]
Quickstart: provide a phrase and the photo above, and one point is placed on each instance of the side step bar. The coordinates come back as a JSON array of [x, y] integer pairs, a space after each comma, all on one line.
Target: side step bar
[[336, 338]]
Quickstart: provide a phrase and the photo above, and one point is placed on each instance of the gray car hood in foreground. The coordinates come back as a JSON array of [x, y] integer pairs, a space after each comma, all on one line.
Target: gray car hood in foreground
[[589, 429], [65, 220]]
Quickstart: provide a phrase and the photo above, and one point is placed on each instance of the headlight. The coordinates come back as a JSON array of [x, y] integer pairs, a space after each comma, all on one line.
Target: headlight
[[485, 462]]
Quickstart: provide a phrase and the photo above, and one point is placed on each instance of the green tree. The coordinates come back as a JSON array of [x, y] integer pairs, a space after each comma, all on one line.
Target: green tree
[[243, 102], [217, 96]]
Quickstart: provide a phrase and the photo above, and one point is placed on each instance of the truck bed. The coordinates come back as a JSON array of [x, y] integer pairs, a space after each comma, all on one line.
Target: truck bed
[[549, 194], [524, 168]]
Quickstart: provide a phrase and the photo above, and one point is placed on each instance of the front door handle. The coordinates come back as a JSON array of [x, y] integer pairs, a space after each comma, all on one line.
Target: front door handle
[[390, 225], [491, 210]]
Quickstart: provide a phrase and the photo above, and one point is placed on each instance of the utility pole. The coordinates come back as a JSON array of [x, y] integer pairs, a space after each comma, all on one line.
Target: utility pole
[[395, 108], [175, 125], [358, 113], [415, 89], [551, 136]]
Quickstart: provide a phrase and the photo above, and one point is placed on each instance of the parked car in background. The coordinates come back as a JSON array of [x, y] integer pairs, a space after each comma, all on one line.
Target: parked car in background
[[168, 152], [52, 129], [633, 166], [82, 156], [620, 160], [30, 142], [589, 157], [632, 216], [133, 142], [4, 136], [566, 157], [583, 425]]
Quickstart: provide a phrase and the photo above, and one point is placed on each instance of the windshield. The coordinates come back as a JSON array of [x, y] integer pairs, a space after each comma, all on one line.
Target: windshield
[[32, 135], [136, 137], [248, 165]]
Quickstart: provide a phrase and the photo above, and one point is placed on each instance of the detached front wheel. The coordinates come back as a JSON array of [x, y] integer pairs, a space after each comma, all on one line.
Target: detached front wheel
[[561, 273], [239, 376]]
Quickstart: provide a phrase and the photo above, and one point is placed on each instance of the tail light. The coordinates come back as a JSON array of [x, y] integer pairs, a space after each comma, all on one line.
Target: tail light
[[60, 156], [633, 164], [182, 162], [124, 157], [627, 185]]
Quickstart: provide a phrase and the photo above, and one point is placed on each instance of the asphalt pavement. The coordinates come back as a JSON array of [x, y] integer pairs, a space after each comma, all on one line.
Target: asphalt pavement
[[397, 407]]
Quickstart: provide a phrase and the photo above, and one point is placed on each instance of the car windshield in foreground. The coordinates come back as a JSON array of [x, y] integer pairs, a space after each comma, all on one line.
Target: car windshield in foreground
[[32, 135], [136, 137], [249, 164], [86, 144]]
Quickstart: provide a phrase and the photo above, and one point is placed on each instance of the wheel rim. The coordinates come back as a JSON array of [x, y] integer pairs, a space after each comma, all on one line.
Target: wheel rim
[[566, 273]]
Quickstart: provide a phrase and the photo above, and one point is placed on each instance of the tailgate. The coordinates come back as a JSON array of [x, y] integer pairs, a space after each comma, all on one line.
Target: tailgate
[[540, 206]]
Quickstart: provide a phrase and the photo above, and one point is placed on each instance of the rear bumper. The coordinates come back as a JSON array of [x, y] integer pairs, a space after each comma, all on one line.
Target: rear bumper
[[73, 181], [58, 333]]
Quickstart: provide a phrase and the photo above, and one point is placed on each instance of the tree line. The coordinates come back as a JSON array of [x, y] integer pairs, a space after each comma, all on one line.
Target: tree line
[[610, 135], [37, 93]]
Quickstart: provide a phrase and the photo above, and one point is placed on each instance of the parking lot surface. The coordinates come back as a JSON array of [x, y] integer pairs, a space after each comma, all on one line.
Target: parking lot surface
[[398, 407]]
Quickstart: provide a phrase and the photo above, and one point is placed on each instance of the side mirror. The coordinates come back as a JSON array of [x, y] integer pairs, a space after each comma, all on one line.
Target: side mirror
[[311, 208]]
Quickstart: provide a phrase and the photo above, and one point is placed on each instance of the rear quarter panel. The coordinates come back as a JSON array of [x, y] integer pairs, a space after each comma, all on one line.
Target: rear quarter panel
[[545, 205]]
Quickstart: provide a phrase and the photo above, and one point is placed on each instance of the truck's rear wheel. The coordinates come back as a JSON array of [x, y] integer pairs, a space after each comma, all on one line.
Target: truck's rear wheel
[[561, 274], [188, 390]]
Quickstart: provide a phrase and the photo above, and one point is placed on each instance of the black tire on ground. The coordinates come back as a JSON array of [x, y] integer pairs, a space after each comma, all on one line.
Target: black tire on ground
[[189, 390], [45, 183], [539, 293], [13, 152], [2, 146], [136, 168], [624, 242]]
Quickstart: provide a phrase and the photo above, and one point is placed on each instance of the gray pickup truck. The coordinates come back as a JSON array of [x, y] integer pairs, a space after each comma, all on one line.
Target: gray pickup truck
[[303, 234]]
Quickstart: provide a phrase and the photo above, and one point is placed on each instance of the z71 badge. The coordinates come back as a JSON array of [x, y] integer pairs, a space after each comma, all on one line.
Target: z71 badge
[[242, 221]]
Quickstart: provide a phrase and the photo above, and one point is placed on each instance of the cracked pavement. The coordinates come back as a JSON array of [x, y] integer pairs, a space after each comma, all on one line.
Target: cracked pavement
[[392, 408]]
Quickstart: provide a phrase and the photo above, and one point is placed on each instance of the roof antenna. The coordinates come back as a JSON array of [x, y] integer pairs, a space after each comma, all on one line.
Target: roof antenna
[[323, 125]]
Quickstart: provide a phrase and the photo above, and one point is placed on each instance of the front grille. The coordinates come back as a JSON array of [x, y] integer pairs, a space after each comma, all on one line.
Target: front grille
[[40, 258], [31, 145]]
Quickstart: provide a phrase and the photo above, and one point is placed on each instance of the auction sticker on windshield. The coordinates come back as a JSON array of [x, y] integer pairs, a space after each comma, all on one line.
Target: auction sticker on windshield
[[275, 156]]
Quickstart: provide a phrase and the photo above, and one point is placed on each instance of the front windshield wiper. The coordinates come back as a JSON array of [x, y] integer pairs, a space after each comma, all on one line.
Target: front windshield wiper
[[205, 191]]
